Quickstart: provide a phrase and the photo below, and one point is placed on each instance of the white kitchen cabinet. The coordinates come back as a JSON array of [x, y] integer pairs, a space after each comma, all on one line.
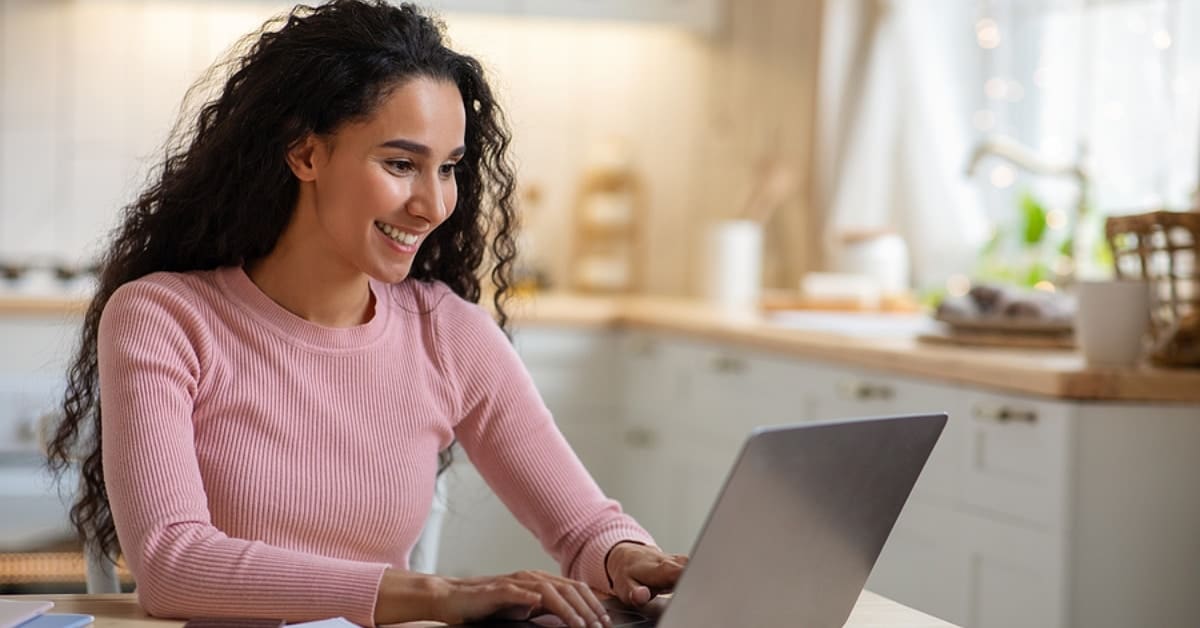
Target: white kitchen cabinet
[[575, 375], [1031, 511], [923, 562], [1015, 575], [689, 406]]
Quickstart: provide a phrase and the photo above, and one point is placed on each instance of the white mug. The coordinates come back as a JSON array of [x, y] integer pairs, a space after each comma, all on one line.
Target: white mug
[[1111, 322], [733, 273]]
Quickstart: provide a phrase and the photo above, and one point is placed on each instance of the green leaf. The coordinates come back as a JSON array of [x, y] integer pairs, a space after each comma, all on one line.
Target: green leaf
[[1033, 214], [1067, 247], [993, 244], [1037, 272]]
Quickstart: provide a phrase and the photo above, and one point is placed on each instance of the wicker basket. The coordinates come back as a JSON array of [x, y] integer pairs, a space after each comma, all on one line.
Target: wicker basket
[[1164, 248]]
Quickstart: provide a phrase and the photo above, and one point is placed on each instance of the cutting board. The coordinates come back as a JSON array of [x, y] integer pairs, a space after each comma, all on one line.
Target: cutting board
[[1012, 340]]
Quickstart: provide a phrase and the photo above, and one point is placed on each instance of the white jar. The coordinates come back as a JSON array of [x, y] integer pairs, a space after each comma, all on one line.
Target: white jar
[[733, 275], [881, 254]]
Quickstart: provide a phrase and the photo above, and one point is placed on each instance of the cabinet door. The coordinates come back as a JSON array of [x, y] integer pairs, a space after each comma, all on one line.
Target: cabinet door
[[672, 480], [1015, 577], [652, 408], [700, 467], [731, 390], [1018, 458], [973, 571], [575, 373], [850, 393], [647, 481], [924, 563]]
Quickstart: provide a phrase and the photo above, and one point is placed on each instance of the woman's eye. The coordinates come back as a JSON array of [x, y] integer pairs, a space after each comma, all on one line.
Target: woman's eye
[[448, 169], [400, 165]]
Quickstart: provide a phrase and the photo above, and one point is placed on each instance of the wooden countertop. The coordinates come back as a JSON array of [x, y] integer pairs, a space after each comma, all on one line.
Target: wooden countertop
[[22, 305], [122, 611], [1051, 373]]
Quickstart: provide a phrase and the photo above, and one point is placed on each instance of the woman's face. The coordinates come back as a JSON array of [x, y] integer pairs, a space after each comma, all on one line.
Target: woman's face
[[381, 185]]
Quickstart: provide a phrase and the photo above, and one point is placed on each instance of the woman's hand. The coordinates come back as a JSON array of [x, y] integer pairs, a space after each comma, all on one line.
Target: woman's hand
[[640, 572], [519, 596]]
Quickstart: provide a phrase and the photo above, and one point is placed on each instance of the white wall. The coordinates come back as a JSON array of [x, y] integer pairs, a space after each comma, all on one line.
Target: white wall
[[90, 88]]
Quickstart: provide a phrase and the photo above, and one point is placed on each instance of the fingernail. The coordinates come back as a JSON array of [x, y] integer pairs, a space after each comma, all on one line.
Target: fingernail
[[597, 624], [579, 623]]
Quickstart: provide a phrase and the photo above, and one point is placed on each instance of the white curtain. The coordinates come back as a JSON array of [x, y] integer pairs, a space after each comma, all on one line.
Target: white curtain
[[895, 132], [905, 96]]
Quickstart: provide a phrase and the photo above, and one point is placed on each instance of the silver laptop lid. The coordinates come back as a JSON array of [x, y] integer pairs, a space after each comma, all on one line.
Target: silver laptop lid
[[800, 521]]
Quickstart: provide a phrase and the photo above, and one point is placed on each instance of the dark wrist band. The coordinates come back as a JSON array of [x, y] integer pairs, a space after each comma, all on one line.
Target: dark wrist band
[[609, 553]]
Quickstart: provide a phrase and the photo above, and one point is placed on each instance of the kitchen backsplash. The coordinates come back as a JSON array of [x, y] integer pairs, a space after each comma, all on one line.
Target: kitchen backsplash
[[89, 91]]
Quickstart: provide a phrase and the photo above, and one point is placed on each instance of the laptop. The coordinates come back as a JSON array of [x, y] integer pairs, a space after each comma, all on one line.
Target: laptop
[[796, 528]]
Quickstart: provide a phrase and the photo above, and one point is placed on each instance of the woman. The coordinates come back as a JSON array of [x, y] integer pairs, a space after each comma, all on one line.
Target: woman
[[286, 335]]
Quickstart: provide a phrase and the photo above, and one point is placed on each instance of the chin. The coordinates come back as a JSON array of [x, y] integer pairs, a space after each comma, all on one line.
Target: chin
[[393, 274]]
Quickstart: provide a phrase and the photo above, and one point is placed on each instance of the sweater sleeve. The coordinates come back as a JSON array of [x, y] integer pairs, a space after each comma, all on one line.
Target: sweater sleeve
[[511, 438], [151, 351]]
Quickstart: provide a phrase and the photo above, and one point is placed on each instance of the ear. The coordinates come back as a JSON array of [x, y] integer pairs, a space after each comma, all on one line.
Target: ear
[[302, 157]]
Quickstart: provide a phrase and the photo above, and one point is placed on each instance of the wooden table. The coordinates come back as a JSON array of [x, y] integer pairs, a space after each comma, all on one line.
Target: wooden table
[[122, 611]]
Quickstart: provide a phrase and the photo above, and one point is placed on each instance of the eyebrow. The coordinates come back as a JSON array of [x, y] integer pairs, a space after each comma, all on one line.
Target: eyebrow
[[420, 149]]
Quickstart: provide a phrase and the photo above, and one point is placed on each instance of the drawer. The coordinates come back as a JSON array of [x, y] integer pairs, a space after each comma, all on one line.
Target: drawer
[[732, 390], [1017, 458], [854, 393], [571, 368]]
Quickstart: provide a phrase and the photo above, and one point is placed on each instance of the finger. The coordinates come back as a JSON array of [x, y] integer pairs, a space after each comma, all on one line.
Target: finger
[[581, 605], [510, 601], [631, 592], [594, 602], [554, 602], [639, 595], [659, 574]]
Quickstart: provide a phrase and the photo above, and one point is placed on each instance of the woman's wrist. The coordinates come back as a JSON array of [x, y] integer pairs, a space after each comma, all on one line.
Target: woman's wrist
[[408, 596], [608, 558]]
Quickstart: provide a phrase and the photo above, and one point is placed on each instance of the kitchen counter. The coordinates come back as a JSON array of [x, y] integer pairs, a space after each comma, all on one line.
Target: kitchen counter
[[122, 611], [1051, 373], [23, 305]]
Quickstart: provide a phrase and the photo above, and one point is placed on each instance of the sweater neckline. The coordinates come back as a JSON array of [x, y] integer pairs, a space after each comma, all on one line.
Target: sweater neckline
[[238, 285]]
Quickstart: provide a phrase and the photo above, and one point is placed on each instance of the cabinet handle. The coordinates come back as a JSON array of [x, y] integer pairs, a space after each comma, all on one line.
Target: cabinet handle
[[1004, 414], [728, 364], [644, 348], [866, 391], [641, 438]]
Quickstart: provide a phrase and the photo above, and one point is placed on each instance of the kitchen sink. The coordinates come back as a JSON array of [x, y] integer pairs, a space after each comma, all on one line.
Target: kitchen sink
[[873, 324]]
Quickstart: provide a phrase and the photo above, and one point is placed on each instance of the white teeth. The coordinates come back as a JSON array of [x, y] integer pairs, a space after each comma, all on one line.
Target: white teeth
[[396, 234]]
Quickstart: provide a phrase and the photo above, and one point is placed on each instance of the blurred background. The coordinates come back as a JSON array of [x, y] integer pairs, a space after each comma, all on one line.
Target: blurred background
[[923, 142]]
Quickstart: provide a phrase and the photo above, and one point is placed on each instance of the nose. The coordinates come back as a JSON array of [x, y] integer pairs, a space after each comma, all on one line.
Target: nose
[[428, 198]]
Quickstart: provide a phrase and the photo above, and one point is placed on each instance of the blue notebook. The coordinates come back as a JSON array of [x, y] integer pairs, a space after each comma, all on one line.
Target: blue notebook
[[58, 620], [16, 612]]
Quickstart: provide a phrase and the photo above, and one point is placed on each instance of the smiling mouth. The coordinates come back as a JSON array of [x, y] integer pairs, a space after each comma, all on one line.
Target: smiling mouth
[[401, 237]]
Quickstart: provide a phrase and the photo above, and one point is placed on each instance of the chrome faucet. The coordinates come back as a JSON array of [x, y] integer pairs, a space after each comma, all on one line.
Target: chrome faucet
[[1023, 157]]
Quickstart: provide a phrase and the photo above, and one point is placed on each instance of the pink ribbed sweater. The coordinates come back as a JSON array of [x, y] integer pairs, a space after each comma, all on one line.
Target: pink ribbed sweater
[[259, 465]]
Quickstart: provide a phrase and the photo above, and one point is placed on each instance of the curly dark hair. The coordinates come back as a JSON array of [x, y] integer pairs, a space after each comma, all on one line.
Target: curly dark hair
[[223, 193]]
